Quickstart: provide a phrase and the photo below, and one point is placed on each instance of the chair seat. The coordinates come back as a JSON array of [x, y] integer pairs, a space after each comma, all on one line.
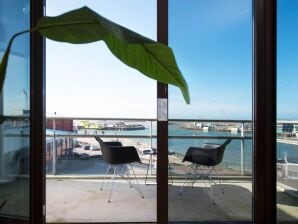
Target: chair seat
[[209, 155], [115, 153]]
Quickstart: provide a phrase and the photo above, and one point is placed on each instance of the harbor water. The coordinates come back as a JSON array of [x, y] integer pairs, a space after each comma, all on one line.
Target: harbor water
[[232, 156]]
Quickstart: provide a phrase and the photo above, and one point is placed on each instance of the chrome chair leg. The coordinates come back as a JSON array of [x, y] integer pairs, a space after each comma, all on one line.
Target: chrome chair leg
[[113, 181], [104, 178], [170, 172], [195, 176], [186, 178], [149, 164], [124, 174], [219, 180], [137, 187], [208, 188]]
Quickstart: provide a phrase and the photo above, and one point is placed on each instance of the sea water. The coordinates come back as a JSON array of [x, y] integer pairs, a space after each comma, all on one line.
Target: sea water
[[232, 156]]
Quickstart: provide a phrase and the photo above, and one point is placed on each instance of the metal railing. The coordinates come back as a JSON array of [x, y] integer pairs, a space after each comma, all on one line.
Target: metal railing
[[151, 135]]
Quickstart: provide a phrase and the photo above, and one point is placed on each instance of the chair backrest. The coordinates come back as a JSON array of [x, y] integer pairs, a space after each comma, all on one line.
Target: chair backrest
[[115, 153], [107, 155], [219, 152]]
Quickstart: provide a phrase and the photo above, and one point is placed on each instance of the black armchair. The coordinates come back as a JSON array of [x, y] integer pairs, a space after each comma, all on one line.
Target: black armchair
[[116, 155], [208, 155]]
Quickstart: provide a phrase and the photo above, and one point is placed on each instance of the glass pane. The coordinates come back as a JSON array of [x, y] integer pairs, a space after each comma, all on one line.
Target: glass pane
[[210, 179], [91, 93], [287, 112], [14, 106]]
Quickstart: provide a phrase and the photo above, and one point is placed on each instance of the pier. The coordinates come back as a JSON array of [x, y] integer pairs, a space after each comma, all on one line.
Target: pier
[[288, 141]]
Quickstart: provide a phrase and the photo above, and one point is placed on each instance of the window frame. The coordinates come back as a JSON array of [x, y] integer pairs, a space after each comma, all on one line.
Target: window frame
[[264, 115]]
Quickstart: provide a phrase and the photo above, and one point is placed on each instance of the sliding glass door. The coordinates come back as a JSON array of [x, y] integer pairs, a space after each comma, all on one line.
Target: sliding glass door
[[14, 112], [287, 112], [213, 45]]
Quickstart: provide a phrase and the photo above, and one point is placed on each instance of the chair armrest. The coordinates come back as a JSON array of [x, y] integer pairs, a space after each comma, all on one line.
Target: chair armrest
[[202, 156], [125, 154]]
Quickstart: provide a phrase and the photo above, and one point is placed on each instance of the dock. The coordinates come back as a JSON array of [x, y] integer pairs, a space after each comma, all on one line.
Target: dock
[[288, 141]]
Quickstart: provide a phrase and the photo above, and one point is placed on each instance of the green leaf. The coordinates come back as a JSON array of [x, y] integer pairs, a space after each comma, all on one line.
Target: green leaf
[[83, 25], [4, 61], [3, 65], [151, 58]]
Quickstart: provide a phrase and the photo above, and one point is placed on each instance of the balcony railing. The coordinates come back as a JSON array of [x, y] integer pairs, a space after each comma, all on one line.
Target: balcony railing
[[194, 134], [240, 131]]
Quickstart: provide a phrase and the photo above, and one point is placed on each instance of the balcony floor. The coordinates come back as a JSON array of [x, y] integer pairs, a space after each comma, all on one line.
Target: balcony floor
[[79, 200]]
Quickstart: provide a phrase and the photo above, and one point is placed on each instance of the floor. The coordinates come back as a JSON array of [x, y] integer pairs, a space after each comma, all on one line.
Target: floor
[[79, 200]]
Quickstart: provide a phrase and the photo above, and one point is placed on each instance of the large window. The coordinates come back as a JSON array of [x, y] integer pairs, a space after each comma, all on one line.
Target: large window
[[287, 111], [88, 82], [14, 111], [213, 44], [220, 149]]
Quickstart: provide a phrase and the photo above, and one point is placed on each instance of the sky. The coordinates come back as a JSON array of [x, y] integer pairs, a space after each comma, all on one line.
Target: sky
[[287, 59], [87, 80], [212, 42], [213, 45]]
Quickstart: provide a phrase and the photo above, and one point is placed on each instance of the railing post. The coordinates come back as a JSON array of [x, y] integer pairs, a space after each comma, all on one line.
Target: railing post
[[242, 149], [54, 147], [151, 135]]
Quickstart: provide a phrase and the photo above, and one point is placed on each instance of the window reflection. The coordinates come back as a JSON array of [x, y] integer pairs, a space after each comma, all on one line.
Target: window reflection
[[14, 111]]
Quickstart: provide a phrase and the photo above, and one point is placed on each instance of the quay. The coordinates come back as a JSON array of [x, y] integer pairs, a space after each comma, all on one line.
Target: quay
[[287, 141]]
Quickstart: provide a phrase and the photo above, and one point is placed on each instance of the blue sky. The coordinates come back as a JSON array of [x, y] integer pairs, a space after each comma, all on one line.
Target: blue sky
[[212, 41], [14, 18], [213, 45], [287, 59], [87, 80]]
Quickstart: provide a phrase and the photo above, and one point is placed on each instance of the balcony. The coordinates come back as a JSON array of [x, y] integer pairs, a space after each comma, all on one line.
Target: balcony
[[75, 170]]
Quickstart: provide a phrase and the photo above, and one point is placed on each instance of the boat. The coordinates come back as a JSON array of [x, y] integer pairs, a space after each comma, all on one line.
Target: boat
[[123, 126]]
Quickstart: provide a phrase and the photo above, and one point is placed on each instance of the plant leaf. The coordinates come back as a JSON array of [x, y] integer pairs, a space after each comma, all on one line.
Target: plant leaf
[[3, 64], [151, 58]]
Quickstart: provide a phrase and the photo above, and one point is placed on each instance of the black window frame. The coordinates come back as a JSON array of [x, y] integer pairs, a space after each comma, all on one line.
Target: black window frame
[[264, 115]]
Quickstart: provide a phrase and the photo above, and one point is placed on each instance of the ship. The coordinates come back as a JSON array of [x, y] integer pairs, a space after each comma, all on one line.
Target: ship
[[123, 126]]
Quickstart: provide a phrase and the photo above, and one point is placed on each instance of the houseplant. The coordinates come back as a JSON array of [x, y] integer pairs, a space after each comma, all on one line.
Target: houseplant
[[83, 25]]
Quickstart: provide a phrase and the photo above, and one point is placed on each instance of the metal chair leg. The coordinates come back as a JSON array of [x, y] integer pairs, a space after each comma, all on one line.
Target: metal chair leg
[[104, 178], [186, 178], [219, 180], [195, 176], [149, 164], [170, 172], [113, 180], [211, 190], [123, 173], [137, 186], [208, 188]]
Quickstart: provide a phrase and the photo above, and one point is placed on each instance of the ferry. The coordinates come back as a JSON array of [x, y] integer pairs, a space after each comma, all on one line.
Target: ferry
[[123, 126]]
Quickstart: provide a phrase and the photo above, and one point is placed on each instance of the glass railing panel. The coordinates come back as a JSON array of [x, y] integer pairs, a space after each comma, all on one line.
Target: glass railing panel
[[75, 157]]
